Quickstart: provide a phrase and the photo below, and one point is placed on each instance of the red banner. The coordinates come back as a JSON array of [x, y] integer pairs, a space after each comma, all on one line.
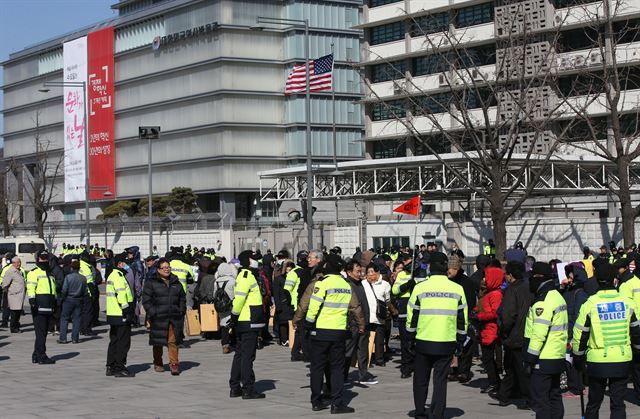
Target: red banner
[[411, 207], [100, 87]]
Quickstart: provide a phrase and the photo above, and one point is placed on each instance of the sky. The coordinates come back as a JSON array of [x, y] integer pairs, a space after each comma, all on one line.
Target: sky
[[27, 22]]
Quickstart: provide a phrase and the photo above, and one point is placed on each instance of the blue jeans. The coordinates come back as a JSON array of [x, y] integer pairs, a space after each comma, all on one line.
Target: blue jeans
[[71, 310]]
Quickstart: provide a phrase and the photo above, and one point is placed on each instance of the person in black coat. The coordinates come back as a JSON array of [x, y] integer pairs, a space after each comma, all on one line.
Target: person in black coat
[[512, 317], [282, 302], [165, 302]]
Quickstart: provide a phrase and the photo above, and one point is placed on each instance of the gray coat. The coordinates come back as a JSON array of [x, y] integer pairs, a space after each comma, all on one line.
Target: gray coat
[[226, 273], [13, 284]]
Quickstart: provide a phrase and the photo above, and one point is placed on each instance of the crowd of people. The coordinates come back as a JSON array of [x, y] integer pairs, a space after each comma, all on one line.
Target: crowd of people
[[538, 328]]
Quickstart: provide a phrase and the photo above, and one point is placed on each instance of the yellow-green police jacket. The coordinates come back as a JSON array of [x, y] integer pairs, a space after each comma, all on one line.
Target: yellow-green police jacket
[[182, 271], [631, 289], [41, 285], [402, 291], [605, 331], [437, 313], [546, 332], [329, 308], [87, 271], [247, 302], [291, 285], [119, 298]]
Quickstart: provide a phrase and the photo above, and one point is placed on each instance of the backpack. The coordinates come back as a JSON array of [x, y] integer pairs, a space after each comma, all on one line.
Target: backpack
[[221, 300]]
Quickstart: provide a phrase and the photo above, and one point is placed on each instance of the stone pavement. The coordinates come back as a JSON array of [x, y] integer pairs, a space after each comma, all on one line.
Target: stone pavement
[[76, 387]]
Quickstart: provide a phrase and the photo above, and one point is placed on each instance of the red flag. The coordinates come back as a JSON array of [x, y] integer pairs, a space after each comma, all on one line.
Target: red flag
[[411, 207]]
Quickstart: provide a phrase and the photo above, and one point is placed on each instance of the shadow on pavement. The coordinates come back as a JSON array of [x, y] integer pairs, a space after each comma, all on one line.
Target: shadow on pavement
[[68, 355], [4, 344], [90, 338], [265, 385], [187, 365], [631, 397], [138, 368], [477, 383], [4, 358], [449, 412], [348, 396]]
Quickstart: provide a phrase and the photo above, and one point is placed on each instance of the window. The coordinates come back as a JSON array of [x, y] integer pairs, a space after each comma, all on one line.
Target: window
[[438, 143], [627, 31], [388, 110], [30, 247], [387, 33], [388, 242], [438, 103], [579, 130], [375, 3], [438, 22], [568, 3], [475, 98], [431, 64], [478, 56], [581, 84], [388, 71], [389, 149], [629, 125], [474, 15], [7, 248], [577, 39]]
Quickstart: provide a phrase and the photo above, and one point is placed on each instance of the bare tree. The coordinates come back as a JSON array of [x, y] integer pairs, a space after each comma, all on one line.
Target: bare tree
[[607, 80], [38, 176], [4, 212], [501, 112]]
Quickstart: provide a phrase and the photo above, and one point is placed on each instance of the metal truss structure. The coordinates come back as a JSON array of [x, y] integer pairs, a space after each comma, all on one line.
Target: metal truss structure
[[444, 177]]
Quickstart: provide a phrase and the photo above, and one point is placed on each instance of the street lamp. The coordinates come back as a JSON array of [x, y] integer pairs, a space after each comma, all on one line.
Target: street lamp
[[300, 23], [86, 145]]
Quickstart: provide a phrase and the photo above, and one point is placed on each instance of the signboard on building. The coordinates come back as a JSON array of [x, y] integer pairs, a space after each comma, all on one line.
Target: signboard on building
[[100, 92], [75, 70]]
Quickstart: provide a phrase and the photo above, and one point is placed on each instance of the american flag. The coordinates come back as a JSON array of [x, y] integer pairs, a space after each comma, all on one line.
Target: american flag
[[320, 76]]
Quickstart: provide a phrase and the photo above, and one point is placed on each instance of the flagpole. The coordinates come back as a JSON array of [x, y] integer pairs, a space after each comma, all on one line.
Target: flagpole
[[333, 111], [309, 204], [415, 240]]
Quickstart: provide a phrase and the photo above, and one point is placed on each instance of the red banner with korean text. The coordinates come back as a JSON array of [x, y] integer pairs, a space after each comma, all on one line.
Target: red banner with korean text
[[100, 91]]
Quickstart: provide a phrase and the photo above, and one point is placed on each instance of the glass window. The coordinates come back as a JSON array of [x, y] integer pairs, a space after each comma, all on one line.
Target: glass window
[[388, 110], [387, 33], [438, 143], [580, 131], [567, 3], [431, 64], [577, 39], [388, 71], [389, 149], [627, 31], [581, 84], [474, 15], [475, 98], [30, 247], [438, 103], [374, 3], [478, 56], [7, 248], [438, 22], [388, 242]]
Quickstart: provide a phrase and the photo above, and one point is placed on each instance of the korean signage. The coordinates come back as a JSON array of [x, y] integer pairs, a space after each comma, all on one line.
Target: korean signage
[[75, 70], [100, 88], [159, 41]]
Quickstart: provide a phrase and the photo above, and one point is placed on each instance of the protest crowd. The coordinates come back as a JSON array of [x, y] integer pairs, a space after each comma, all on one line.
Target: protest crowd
[[538, 330]]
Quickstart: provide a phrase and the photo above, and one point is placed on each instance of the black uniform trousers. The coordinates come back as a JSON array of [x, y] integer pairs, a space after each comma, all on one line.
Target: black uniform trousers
[[424, 363], [406, 352], [617, 390], [515, 377], [635, 374], [327, 354], [95, 302], [40, 326], [87, 314], [546, 397], [6, 312], [300, 343], [242, 365], [465, 360], [119, 344]]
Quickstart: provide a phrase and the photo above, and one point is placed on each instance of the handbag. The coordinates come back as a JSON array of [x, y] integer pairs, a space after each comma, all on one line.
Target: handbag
[[381, 306]]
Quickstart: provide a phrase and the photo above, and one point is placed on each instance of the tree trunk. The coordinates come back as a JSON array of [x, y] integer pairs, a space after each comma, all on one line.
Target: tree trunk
[[40, 220], [499, 222], [626, 206]]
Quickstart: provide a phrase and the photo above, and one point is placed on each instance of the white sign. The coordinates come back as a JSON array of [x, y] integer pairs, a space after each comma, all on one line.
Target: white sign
[[74, 103]]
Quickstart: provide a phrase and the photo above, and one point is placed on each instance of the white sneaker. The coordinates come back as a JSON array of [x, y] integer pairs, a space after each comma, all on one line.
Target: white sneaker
[[368, 382]]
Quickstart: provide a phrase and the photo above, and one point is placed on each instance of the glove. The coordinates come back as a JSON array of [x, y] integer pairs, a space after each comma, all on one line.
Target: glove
[[233, 321], [411, 336], [33, 306], [128, 314]]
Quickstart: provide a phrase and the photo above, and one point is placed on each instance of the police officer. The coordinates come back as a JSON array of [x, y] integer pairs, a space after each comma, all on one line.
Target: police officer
[[605, 331], [437, 320], [490, 249], [120, 315], [546, 342], [88, 272], [292, 286], [247, 321], [401, 289], [330, 304], [629, 286], [41, 291], [181, 269]]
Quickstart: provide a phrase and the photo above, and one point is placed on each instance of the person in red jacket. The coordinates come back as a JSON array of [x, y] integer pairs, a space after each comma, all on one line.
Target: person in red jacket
[[488, 317]]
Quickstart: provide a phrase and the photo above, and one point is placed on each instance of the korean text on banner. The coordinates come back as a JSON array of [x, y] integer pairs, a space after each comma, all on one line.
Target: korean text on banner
[[75, 71], [100, 87]]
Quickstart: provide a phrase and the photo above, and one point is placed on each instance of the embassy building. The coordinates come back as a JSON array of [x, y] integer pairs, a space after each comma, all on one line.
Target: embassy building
[[200, 71]]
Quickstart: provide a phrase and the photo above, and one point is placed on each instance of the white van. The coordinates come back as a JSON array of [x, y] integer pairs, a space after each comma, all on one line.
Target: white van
[[24, 247]]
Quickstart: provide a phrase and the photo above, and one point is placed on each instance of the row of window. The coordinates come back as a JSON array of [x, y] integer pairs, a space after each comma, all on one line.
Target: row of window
[[624, 32], [437, 22], [434, 63], [424, 145], [557, 3], [594, 83]]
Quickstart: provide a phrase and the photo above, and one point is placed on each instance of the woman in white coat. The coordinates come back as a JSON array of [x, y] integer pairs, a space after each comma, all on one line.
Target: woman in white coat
[[13, 284], [382, 291]]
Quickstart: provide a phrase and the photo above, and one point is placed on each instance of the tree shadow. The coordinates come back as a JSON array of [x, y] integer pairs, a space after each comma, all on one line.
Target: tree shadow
[[62, 357], [3, 337], [4, 344], [90, 338], [265, 385], [138, 368]]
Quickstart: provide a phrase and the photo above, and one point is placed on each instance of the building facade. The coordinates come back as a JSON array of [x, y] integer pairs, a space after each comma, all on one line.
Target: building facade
[[214, 86]]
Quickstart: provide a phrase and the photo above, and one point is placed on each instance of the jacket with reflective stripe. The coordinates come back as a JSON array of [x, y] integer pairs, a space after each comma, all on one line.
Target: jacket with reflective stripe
[[437, 313], [291, 285], [118, 296], [182, 271], [86, 270], [247, 302], [42, 286], [605, 331], [402, 292], [631, 289], [329, 307], [546, 333]]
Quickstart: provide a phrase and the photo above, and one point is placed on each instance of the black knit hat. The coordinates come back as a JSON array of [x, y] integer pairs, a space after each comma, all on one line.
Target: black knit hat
[[605, 273], [333, 264]]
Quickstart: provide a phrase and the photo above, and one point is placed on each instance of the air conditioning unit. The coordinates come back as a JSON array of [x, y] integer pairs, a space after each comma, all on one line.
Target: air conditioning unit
[[595, 57], [579, 60], [477, 75], [565, 63]]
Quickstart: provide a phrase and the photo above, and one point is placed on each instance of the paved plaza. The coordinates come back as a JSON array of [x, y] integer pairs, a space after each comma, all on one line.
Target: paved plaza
[[76, 387]]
